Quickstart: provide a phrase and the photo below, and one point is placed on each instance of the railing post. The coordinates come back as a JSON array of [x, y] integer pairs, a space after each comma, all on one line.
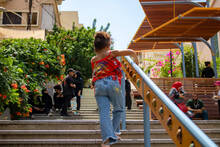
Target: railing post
[[207, 3], [192, 62], [183, 60], [171, 64], [124, 107], [196, 59], [214, 56], [147, 142]]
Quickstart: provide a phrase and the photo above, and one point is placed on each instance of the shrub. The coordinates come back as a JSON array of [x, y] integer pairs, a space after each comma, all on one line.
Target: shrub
[[24, 65]]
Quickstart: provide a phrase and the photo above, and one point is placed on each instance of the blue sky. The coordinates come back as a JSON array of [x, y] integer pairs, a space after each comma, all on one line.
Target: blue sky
[[125, 16]]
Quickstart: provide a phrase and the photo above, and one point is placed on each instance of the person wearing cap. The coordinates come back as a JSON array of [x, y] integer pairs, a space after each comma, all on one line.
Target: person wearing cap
[[208, 72], [68, 90], [217, 97]]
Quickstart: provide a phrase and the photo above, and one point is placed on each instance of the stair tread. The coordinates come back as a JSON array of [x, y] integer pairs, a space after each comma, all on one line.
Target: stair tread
[[91, 131]]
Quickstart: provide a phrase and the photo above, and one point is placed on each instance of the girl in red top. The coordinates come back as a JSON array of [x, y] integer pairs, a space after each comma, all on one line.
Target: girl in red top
[[106, 79]]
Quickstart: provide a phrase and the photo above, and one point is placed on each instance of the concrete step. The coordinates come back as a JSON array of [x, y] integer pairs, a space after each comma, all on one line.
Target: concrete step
[[79, 117], [91, 134], [81, 143], [84, 143], [88, 124]]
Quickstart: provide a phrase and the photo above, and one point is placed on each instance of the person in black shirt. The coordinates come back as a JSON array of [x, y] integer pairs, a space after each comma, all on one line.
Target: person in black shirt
[[58, 97], [68, 91], [79, 87], [128, 94], [36, 103], [47, 100], [208, 72]]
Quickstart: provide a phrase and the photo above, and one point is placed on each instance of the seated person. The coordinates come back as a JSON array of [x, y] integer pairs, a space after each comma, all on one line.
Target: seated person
[[217, 97], [58, 97], [196, 106], [46, 99], [37, 104], [176, 94]]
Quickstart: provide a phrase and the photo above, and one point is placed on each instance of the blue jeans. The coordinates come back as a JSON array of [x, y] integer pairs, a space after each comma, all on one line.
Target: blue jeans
[[109, 91], [203, 115]]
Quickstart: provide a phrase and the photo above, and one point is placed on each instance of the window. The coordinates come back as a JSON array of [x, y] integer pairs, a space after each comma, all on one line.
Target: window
[[11, 18], [34, 18]]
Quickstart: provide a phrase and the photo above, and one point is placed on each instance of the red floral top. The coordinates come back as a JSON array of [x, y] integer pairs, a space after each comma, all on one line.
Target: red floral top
[[108, 66]]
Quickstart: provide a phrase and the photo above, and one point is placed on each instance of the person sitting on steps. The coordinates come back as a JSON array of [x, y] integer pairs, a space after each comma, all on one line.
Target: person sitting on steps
[[196, 106], [58, 97]]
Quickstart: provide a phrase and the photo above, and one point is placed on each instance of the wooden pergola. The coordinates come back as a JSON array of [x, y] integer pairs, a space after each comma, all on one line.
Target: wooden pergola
[[169, 23], [143, 46]]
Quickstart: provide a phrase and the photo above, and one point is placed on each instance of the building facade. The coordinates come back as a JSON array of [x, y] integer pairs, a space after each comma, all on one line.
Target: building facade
[[44, 14], [67, 18], [203, 51]]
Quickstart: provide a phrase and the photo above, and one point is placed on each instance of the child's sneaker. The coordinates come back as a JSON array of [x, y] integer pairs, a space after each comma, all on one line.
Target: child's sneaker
[[76, 113]]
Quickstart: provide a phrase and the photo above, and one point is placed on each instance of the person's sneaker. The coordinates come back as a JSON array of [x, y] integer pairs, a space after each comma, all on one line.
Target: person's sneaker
[[76, 113]]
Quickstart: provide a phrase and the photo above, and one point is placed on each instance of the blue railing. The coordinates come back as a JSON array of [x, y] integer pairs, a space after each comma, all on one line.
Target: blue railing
[[187, 124]]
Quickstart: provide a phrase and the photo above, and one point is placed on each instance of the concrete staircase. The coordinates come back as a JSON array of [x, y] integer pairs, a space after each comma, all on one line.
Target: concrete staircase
[[60, 131]]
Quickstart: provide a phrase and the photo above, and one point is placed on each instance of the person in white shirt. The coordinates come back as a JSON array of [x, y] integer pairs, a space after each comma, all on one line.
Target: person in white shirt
[[217, 97]]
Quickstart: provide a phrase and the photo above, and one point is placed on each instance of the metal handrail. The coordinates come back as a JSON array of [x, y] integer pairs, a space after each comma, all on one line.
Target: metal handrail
[[189, 125]]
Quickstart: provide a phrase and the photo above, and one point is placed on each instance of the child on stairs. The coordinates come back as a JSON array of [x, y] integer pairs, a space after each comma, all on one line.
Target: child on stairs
[[106, 81]]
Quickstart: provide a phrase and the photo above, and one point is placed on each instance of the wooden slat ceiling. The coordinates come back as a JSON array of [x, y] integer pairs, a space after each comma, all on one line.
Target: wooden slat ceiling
[[186, 30], [143, 29], [160, 14], [155, 16]]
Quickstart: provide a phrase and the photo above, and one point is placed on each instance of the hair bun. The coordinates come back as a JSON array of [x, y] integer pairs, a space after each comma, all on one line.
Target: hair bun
[[98, 39]]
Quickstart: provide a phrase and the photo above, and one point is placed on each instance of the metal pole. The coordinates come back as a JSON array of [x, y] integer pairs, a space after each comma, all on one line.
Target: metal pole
[[171, 2], [171, 64], [29, 16], [183, 60], [196, 59], [214, 56], [147, 142], [183, 57], [124, 108], [192, 63], [207, 3], [213, 48]]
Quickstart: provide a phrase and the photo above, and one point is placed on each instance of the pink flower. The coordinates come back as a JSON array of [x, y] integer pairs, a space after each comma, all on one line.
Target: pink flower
[[177, 52], [169, 54], [159, 63], [166, 60], [169, 72], [152, 69]]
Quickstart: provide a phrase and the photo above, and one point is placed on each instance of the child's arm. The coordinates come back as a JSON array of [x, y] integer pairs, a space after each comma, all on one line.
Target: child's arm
[[127, 52]]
